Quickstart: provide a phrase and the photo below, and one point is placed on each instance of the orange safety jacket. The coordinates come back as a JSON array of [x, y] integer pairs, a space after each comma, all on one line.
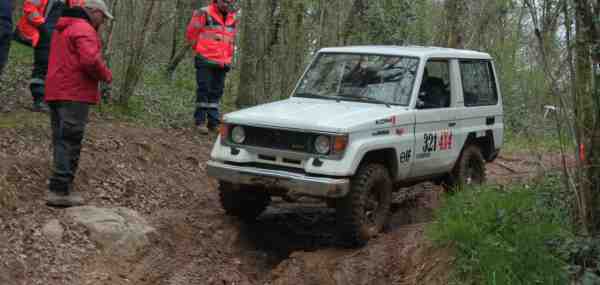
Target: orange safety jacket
[[75, 3], [34, 12], [211, 36]]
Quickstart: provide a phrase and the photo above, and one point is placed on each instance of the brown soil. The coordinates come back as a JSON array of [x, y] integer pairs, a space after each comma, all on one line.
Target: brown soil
[[161, 174]]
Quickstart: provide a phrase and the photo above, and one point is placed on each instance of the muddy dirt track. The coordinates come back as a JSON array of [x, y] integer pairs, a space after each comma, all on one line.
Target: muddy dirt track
[[161, 174]]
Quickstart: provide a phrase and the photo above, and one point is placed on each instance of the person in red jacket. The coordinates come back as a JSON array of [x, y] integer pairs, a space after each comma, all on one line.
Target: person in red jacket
[[75, 69], [35, 29], [212, 32]]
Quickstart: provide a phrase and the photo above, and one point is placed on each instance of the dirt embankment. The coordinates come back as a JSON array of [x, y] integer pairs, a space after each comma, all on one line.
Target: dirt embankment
[[161, 174]]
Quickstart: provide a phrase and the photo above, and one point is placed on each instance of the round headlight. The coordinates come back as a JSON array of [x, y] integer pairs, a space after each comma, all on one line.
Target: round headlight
[[322, 144], [238, 135]]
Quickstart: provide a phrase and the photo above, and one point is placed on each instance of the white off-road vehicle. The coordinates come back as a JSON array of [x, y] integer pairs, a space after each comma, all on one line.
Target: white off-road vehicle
[[361, 123]]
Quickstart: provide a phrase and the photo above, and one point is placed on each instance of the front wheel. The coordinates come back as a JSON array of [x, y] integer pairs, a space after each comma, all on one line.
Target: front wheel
[[245, 202], [363, 213]]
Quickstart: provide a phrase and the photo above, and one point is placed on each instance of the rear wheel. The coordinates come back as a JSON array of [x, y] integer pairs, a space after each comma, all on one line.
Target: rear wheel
[[469, 169], [331, 203], [245, 202], [363, 212]]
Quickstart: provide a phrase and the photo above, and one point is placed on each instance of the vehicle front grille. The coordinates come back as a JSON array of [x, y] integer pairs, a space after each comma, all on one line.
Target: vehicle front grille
[[271, 167], [279, 139]]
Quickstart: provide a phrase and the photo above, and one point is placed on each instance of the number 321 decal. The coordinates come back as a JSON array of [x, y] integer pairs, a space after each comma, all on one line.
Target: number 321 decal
[[437, 141]]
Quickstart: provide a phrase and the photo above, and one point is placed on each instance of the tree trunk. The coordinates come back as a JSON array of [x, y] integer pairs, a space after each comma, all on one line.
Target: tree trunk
[[455, 11], [179, 16], [250, 51], [109, 34], [134, 69], [179, 56], [356, 26], [588, 27], [292, 50]]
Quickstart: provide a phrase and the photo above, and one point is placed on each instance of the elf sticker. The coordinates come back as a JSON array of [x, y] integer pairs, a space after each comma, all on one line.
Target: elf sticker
[[405, 156]]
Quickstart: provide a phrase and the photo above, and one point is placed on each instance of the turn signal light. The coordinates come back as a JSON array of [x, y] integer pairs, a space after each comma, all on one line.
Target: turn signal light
[[340, 143], [224, 131]]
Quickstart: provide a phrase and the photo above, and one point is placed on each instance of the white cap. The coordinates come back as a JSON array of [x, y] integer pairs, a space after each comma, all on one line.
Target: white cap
[[100, 5]]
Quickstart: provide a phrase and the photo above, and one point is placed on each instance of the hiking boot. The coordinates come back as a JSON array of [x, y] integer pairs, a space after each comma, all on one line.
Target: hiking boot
[[214, 132], [64, 200], [203, 130], [213, 129], [39, 106]]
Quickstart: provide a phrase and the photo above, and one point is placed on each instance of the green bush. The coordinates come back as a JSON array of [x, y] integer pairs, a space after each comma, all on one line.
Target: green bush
[[504, 236]]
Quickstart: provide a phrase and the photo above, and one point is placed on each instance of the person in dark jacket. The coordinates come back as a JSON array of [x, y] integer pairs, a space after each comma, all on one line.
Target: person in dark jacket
[[76, 68], [5, 31]]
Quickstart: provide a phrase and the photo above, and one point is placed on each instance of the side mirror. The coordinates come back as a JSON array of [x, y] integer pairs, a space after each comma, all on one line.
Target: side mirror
[[420, 104]]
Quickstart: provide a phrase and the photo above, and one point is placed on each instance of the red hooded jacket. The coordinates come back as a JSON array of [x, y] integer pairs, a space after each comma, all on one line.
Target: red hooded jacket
[[76, 66]]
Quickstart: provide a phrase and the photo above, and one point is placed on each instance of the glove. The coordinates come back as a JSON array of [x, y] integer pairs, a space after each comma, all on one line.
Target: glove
[[105, 91]]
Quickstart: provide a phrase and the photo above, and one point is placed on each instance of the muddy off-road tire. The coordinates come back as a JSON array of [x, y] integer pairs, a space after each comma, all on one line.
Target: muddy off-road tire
[[469, 169], [245, 202], [331, 203], [363, 213]]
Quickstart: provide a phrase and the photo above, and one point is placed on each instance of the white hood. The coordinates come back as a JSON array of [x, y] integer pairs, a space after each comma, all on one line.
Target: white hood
[[313, 115]]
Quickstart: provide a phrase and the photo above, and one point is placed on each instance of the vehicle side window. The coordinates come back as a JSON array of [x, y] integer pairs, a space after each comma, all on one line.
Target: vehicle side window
[[435, 86], [479, 86]]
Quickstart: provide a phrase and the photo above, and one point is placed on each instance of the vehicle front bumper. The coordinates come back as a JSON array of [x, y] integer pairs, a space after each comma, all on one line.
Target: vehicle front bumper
[[295, 183]]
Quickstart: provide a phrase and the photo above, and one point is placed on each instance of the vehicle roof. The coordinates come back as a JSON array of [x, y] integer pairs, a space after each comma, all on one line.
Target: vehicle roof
[[417, 51]]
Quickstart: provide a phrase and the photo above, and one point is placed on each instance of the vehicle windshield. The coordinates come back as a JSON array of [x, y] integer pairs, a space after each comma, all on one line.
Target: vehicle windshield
[[360, 77]]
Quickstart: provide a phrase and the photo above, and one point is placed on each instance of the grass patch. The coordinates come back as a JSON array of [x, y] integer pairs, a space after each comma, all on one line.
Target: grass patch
[[8, 195], [505, 236], [519, 143], [20, 55], [20, 120]]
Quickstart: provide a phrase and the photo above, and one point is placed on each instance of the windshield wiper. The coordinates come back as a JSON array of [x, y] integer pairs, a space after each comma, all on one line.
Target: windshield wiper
[[312, 95], [377, 101], [363, 99]]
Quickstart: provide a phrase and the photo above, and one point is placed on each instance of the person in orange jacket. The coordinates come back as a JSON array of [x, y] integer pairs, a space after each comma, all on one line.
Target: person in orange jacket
[[212, 31], [35, 28]]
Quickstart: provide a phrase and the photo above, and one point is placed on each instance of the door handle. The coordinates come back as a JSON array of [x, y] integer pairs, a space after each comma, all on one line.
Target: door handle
[[490, 120], [452, 124]]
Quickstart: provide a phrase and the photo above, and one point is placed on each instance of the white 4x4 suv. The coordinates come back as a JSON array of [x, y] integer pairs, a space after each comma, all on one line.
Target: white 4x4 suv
[[362, 122]]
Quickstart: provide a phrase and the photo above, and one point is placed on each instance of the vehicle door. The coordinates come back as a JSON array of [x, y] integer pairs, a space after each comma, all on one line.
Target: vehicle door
[[482, 108], [435, 120]]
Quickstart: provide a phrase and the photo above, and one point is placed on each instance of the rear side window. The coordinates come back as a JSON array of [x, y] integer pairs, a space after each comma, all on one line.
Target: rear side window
[[479, 85]]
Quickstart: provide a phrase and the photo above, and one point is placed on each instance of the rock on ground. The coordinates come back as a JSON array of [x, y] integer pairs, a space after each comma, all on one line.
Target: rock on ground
[[120, 231], [53, 231]]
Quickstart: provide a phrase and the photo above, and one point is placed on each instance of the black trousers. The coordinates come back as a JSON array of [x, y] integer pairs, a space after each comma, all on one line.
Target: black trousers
[[68, 120], [5, 38], [210, 80], [41, 52]]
